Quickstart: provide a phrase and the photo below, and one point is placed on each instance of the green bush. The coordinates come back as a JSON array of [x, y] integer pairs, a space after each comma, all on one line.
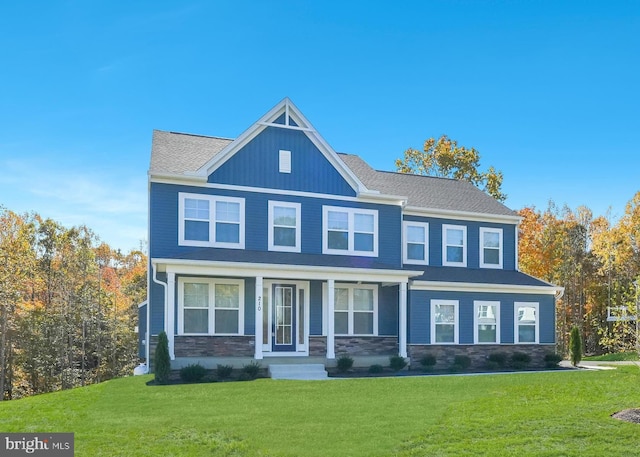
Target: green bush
[[552, 360], [251, 370], [161, 360], [192, 373], [344, 363], [491, 365], [376, 369], [397, 362], [428, 361], [520, 360], [461, 362], [224, 371], [575, 345], [498, 359]]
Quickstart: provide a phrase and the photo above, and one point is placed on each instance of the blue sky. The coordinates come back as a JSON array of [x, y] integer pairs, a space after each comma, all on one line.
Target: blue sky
[[547, 91]]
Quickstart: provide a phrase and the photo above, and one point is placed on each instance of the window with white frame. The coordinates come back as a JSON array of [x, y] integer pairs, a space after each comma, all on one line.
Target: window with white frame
[[486, 322], [284, 226], [490, 247], [416, 242], [527, 325], [284, 161], [210, 306], [208, 220], [444, 321], [454, 245], [349, 231], [355, 310]]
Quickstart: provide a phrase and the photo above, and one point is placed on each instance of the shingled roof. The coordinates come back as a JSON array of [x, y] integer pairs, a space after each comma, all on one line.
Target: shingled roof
[[182, 154]]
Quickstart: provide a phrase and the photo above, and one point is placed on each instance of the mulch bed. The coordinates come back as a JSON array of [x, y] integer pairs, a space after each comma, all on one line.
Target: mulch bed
[[629, 415]]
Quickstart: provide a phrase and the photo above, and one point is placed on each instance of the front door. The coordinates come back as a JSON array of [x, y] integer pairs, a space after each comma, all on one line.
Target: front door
[[284, 317]]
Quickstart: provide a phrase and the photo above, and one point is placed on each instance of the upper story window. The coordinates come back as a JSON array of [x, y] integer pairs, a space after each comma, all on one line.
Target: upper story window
[[490, 247], [454, 245], [416, 242], [349, 231], [527, 328], [444, 321], [208, 220], [210, 306], [355, 309], [486, 322], [284, 226]]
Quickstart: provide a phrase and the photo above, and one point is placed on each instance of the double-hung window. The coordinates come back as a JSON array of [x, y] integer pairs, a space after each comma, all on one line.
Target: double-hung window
[[355, 310], [349, 231], [444, 321], [210, 306], [208, 220], [527, 325], [284, 226], [490, 247], [454, 245], [416, 242], [486, 328]]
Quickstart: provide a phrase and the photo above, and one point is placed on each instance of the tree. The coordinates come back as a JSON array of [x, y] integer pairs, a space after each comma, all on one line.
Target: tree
[[575, 344], [161, 359], [444, 158]]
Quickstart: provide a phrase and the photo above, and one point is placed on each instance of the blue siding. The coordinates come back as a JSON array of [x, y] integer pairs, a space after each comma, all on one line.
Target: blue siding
[[315, 308], [157, 304], [142, 330], [419, 314], [249, 306], [473, 240], [257, 165], [388, 310]]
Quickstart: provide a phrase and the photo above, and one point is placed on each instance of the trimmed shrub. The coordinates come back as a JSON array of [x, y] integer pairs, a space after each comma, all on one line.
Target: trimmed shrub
[[251, 370], [575, 345], [344, 363], [376, 369], [192, 373], [224, 371], [552, 360], [161, 360], [461, 362], [498, 359], [520, 360], [397, 362], [428, 361]]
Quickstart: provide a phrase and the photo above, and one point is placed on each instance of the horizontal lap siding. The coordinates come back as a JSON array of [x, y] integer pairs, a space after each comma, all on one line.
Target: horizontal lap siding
[[156, 301], [388, 310]]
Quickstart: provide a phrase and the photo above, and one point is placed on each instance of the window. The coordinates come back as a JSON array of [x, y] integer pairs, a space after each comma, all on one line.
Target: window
[[210, 306], [349, 231], [486, 322], [416, 242], [207, 220], [490, 247], [454, 245], [284, 226], [444, 322], [284, 161], [355, 310], [526, 322]]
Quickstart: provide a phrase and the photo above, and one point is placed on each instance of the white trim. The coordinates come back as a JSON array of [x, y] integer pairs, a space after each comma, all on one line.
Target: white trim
[[298, 226], [284, 160], [483, 231], [405, 242], [331, 338], [456, 324], [465, 242], [517, 253], [212, 282], [212, 221], [259, 307], [516, 335], [171, 312], [460, 215], [351, 310], [351, 230], [402, 320], [483, 287], [476, 305]]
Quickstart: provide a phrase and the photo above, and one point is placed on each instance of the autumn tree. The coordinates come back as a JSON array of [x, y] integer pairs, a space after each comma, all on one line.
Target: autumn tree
[[444, 158]]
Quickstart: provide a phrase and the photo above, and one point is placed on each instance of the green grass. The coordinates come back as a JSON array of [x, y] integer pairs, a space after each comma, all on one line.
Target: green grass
[[542, 414], [617, 357]]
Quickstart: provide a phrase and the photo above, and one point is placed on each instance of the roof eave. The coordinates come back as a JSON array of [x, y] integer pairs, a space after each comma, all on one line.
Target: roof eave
[[464, 215]]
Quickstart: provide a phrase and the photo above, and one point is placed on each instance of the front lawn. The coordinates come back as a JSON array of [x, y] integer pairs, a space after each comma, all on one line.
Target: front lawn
[[554, 413], [615, 357]]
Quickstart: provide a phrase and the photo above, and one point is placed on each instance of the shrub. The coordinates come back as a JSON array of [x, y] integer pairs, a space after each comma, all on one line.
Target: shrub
[[397, 362], [498, 359], [552, 360], [192, 373], [344, 363], [575, 345], [520, 360], [161, 360], [224, 371], [462, 362], [251, 370], [491, 365], [428, 361], [376, 369]]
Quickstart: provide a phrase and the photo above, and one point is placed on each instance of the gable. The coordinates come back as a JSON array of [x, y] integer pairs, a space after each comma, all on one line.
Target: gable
[[257, 164]]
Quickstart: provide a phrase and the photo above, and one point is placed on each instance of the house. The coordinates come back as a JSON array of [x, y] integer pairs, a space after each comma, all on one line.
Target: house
[[273, 247]]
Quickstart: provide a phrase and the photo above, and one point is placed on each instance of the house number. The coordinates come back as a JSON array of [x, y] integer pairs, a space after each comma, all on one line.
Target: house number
[[259, 303]]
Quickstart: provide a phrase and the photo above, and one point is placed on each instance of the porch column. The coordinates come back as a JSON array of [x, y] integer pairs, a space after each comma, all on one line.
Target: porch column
[[170, 327], [402, 320], [258, 332], [331, 341]]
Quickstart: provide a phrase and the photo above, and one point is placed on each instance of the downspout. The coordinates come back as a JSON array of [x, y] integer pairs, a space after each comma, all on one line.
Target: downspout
[[164, 285]]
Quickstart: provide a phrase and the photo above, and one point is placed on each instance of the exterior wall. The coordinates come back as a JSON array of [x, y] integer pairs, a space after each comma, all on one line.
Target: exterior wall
[[156, 302], [317, 346], [315, 310], [214, 346], [142, 331], [478, 353], [388, 310], [366, 345]]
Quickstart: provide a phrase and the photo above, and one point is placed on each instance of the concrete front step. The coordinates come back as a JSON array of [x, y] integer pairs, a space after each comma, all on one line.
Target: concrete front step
[[302, 371]]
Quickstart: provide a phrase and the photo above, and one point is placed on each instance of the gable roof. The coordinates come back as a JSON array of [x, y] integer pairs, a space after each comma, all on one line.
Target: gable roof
[[175, 153]]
